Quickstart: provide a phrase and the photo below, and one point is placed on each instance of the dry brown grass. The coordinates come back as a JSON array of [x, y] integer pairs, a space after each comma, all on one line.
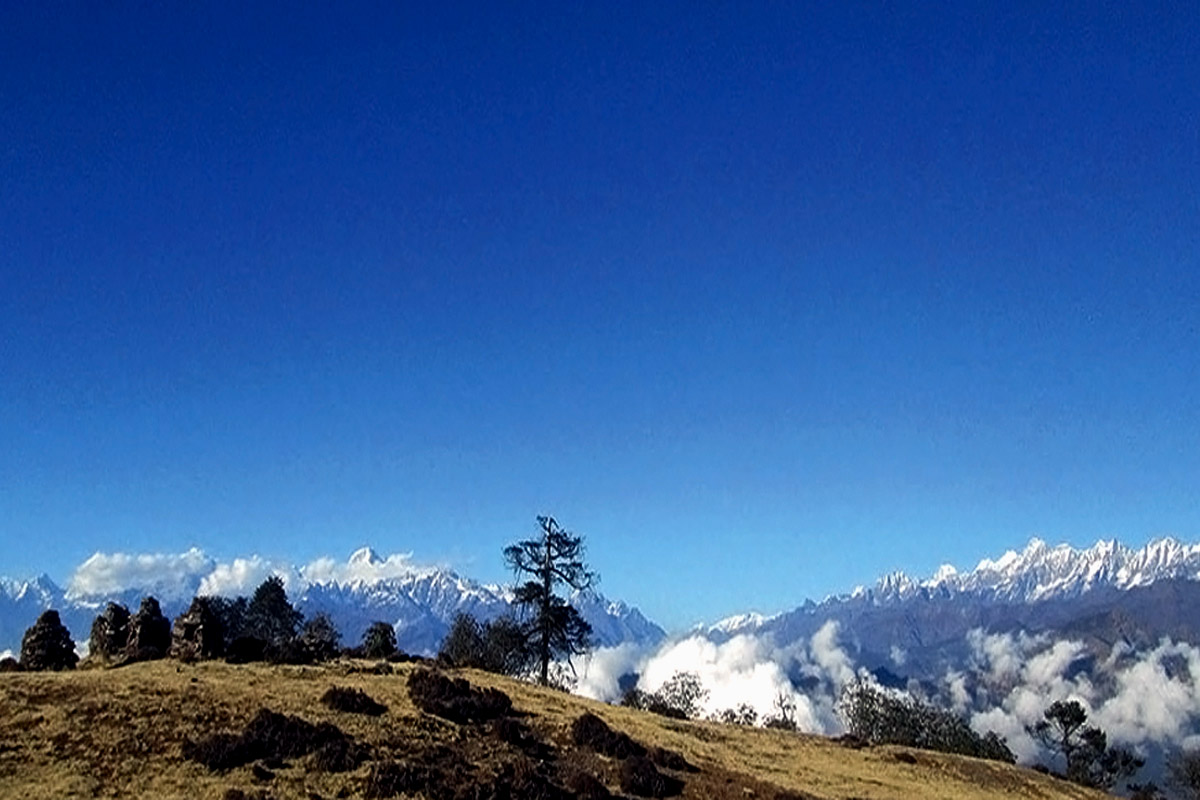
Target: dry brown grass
[[120, 733]]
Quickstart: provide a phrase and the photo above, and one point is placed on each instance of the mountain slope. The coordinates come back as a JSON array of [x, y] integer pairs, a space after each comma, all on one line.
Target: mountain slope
[[123, 732]]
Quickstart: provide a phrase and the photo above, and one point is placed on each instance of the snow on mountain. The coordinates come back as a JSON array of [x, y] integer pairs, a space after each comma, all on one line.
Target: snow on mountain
[[1041, 572], [419, 600]]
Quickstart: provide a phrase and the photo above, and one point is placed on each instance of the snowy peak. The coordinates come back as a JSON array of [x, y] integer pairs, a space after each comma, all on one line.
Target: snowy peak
[[1042, 572], [364, 556]]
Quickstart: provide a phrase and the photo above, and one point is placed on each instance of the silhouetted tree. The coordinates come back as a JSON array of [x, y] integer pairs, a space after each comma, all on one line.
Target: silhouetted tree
[[1090, 761], [319, 638], [269, 615], [878, 716], [1183, 772], [553, 627], [379, 640], [496, 646], [232, 614]]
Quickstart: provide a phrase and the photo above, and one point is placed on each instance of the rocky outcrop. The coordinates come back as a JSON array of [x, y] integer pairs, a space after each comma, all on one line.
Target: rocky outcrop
[[149, 633], [197, 633], [110, 632], [48, 645]]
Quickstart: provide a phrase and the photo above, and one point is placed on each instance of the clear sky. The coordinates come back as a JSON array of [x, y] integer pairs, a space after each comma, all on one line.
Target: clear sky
[[765, 299]]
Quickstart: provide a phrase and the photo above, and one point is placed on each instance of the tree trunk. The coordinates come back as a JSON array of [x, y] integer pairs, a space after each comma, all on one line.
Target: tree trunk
[[544, 622]]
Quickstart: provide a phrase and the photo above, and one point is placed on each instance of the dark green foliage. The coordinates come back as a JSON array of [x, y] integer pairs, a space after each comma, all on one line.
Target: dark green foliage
[[9, 664], [553, 627], [876, 716], [269, 615], [352, 701], [1183, 773], [110, 632], [1090, 760], [594, 733], [47, 645], [272, 736], [245, 650], [379, 640], [497, 646], [232, 614], [319, 639], [149, 633]]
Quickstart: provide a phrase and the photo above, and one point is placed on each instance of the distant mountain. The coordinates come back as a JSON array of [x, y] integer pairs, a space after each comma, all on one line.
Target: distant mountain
[[1105, 594], [419, 601]]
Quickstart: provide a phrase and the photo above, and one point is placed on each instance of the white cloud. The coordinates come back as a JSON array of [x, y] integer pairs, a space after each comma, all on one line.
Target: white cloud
[[165, 575], [243, 575], [7, 654]]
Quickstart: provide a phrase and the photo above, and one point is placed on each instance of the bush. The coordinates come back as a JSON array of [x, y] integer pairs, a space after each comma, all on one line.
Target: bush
[[499, 646], [679, 698], [594, 733], [352, 701], [639, 776], [272, 736], [319, 638], [877, 716], [379, 640], [744, 714], [47, 645], [455, 699], [245, 650]]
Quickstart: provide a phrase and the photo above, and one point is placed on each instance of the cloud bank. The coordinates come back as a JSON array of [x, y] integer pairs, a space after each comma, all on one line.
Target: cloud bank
[[181, 576]]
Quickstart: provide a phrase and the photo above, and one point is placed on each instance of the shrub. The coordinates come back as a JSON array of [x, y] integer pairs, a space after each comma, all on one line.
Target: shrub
[[455, 699], [319, 638], [273, 736], [47, 645], [877, 716], [744, 714], [379, 640], [352, 701], [594, 733], [639, 776]]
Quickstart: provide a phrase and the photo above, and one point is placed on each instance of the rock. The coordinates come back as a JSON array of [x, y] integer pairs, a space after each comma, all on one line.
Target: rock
[[149, 633], [197, 633], [48, 645], [110, 632]]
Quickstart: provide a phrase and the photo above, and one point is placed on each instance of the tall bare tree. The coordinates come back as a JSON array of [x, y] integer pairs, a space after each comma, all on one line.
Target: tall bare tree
[[553, 627]]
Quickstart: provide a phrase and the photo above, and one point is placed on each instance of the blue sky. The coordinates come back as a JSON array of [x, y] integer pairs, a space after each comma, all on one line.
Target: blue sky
[[764, 299]]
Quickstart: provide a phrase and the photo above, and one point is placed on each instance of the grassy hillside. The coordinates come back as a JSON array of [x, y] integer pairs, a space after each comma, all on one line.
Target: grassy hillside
[[122, 733]]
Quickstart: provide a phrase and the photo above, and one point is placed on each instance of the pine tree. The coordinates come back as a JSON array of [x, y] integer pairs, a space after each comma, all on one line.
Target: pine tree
[[269, 616], [553, 626]]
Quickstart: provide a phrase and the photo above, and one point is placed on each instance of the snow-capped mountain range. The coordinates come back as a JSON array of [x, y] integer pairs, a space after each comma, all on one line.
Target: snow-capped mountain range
[[419, 600], [1037, 573]]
